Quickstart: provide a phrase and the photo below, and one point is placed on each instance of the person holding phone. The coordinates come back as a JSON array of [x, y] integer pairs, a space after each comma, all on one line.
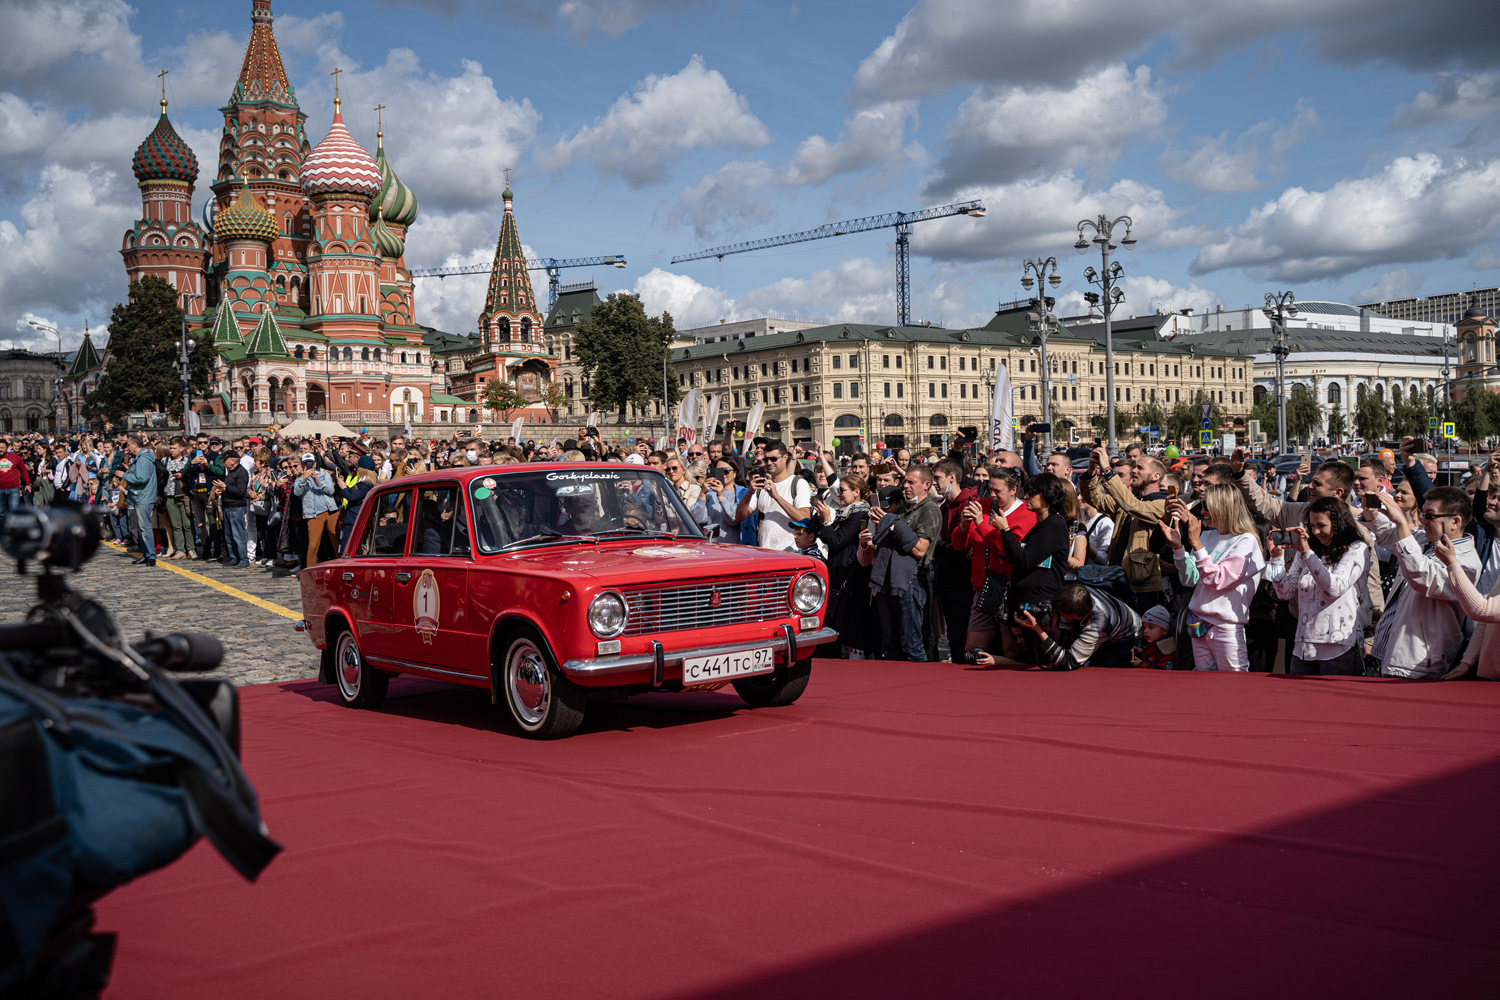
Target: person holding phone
[[1422, 630], [1222, 555], [1329, 564]]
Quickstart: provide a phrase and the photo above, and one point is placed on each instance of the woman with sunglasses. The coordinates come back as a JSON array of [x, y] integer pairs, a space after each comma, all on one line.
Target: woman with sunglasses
[[689, 491]]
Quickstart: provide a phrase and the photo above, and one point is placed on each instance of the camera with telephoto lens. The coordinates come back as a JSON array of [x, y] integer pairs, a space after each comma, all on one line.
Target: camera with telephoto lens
[[109, 767]]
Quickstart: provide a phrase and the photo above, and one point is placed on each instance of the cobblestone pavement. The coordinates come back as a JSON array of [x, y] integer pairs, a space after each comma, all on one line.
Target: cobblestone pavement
[[259, 644]]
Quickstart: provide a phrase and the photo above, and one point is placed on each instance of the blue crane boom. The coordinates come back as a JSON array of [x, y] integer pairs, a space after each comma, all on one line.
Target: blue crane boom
[[551, 265], [902, 221]]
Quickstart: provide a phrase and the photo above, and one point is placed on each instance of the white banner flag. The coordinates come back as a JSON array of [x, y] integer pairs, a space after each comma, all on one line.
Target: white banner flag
[[711, 416], [593, 419], [752, 426], [687, 416], [515, 430], [1002, 414]]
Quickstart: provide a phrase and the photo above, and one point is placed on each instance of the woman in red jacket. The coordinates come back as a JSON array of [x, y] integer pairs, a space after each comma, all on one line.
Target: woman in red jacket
[[989, 570]]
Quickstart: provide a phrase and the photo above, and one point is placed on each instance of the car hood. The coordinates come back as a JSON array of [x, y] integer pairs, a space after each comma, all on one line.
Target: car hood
[[624, 562]]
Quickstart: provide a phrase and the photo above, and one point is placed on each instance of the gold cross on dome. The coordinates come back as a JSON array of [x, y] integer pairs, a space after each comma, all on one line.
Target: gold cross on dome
[[162, 76], [379, 124], [335, 75], [507, 176]]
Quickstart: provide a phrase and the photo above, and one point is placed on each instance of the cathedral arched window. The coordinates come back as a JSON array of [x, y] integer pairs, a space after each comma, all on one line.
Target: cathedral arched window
[[418, 359], [377, 354], [298, 352], [505, 329], [364, 355], [348, 354], [526, 329], [403, 357], [312, 354], [281, 284]]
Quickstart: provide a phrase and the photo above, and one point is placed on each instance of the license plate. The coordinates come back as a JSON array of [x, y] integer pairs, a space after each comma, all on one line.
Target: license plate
[[727, 666]]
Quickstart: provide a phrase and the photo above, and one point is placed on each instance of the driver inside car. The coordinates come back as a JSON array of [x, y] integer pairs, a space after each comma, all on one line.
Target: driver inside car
[[581, 514]]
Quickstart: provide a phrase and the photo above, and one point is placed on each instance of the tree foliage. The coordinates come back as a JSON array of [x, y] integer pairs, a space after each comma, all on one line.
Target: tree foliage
[[1371, 419], [503, 398], [553, 398], [1337, 425], [621, 351], [1182, 422], [1149, 415], [1471, 417], [1410, 417], [143, 348], [1301, 413]]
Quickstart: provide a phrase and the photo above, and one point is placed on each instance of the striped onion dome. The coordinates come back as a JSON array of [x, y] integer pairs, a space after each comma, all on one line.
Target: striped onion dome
[[340, 165], [396, 204], [391, 245], [245, 220], [164, 156]]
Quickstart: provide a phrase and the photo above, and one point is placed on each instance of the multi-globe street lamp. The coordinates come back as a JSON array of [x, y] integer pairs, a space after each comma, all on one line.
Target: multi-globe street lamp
[[1280, 305], [1042, 272], [185, 370], [1104, 237]]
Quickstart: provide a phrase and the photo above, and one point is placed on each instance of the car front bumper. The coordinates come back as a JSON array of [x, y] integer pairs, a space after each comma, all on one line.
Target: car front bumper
[[661, 664]]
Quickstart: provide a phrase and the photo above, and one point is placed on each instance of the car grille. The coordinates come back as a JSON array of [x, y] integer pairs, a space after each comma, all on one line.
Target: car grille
[[677, 606]]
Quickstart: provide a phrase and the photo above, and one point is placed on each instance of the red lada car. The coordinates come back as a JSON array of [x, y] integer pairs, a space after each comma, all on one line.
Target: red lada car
[[547, 583]]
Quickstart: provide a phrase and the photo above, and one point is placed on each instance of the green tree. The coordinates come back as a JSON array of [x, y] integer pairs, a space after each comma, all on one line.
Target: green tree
[[1371, 419], [141, 374], [1182, 422], [1337, 425], [621, 351], [1471, 417], [1301, 413], [502, 397], [1149, 415], [1409, 417]]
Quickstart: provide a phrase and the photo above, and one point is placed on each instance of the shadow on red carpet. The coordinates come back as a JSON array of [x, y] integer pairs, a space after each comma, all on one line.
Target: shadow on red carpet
[[906, 830]]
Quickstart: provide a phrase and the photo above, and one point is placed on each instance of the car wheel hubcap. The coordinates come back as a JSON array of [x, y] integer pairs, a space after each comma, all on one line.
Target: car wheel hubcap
[[530, 686], [348, 666]]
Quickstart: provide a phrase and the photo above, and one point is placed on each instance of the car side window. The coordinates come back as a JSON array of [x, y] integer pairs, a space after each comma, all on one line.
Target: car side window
[[439, 522], [385, 532]]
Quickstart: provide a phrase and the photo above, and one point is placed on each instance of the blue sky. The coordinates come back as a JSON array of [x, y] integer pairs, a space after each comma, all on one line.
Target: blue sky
[[1346, 149]]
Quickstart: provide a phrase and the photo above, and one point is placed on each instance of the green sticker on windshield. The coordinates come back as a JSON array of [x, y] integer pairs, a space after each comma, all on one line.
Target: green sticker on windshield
[[482, 494]]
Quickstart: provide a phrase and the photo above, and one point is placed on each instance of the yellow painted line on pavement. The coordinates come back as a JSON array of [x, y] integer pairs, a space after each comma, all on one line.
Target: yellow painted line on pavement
[[222, 588]]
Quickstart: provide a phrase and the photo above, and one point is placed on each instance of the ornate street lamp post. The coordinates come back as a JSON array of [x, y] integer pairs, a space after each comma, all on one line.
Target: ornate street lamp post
[[1104, 236], [185, 369], [57, 379], [1280, 305], [1044, 271]]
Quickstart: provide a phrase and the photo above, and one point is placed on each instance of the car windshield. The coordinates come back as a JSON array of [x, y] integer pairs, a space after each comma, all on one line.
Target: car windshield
[[514, 509]]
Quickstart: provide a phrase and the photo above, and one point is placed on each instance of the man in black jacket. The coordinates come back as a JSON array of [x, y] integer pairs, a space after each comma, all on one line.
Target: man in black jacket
[[1087, 628], [199, 482], [236, 484], [893, 550]]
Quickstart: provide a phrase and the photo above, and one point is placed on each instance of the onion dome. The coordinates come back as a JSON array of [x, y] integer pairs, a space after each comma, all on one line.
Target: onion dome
[[245, 220], [339, 165], [164, 156], [391, 246], [1474, 312], [396, 204]]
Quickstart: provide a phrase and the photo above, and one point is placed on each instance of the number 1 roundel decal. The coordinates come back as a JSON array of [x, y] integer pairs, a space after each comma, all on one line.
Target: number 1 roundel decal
[[425, 604]]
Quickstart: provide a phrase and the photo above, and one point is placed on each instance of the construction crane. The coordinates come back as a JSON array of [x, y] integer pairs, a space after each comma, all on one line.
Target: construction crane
[[902, 221], [551, 265]]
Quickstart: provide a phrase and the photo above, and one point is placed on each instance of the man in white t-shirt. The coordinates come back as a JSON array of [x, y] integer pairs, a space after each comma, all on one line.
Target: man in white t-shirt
[[779, 497]]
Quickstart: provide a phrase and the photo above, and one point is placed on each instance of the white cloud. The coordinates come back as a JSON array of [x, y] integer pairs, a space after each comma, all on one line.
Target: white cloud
[[944, 43], [1002, 133], [690, 302], [1220, 164], [58, 257], [729, 198], [645, 131], [1144, 294], [1415, 209], [1455, 97], [611, 17], [1401, 284], [871, 137], [1040, 216], [80, 50], [860, 290]]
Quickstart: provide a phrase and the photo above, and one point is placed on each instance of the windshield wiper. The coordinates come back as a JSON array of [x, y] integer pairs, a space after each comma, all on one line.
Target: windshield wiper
[[650, 532], [544, 537]]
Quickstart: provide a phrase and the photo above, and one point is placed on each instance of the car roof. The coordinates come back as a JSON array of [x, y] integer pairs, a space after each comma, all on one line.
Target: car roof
[[469, 472]]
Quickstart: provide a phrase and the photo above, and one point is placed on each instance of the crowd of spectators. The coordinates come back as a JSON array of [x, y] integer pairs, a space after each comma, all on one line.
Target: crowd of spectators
[[1345, 566]]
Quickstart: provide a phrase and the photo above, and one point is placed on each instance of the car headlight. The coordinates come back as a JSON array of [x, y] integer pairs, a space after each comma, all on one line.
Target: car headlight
[[808, 593], [607, 615]]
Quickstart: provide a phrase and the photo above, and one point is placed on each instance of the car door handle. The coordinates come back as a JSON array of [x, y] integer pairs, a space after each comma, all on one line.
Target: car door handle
[[402, 577], [348, 577]]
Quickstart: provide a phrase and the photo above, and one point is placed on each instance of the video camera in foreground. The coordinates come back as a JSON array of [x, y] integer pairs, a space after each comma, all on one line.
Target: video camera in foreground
[[109, 767]]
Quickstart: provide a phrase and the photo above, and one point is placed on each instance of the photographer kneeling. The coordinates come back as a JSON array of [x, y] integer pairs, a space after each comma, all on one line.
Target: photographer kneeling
[[1087, 628]]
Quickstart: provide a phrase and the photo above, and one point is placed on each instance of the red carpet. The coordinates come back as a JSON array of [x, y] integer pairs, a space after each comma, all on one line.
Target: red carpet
[[903, 831]]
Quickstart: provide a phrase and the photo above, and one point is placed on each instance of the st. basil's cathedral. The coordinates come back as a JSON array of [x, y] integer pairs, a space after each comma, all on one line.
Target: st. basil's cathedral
[[297, 270]]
